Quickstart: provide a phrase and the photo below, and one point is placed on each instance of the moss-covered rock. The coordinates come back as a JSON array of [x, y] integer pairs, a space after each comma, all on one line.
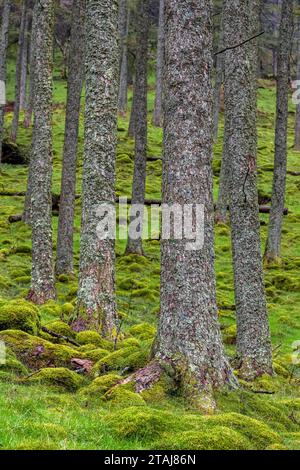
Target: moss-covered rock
[[36, 352], [61, 328], [96, 354], [143, 331], [125, 359], [50, 309], [59, 377], [100, 386], [19, 314], [276, 446], [92, 337], [229, 334], [139, 422], [121, 397]]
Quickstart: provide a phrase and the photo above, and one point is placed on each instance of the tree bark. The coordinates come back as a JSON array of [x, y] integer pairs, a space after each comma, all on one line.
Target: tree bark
[[3, 53], [253, 336], [30, 97], [134, 245], [189, 340], [297, 118], [224, 179], [157, 113], [132, 119], [218, 81], [273, 246], [24, 64], [21, 44], [64, 259], [42, 276], [123, 33], [96, 295]]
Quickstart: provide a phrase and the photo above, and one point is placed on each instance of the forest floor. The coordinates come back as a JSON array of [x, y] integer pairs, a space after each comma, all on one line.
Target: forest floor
[[65, 410]]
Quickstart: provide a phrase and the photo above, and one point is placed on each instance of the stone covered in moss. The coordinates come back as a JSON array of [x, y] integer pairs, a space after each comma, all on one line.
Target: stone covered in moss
[[61, 328], [19, 315], [125, 359], [100, 385], [36, 352], [220, 438], [92, 337], [143, 331], [59, 377], [122, 398], [96, 354]]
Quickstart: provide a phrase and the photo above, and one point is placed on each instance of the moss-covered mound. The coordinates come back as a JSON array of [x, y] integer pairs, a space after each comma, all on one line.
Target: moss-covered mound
[[100, 386], [61, 328], [19, 315], [36, 352], [92, 337], [59, 377]]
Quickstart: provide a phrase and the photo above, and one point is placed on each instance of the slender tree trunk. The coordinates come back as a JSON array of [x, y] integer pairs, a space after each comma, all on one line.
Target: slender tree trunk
[[131, 127], [157, 113], [30, 97], [134, 244], [253, 336], [224, 179], [24, 64], [218, 82], [42, 277], [64, 260], [189, 339], [297, 119], [96, 295], [280, 163], [21, 43], [123, 33], [3, 53]]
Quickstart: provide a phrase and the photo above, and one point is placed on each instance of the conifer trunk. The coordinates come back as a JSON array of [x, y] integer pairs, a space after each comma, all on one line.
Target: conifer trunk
[[157, 113], [3, 53], [123, 33]]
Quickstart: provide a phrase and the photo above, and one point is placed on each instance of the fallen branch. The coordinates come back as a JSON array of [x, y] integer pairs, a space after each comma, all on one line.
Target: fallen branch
[[59, 336]]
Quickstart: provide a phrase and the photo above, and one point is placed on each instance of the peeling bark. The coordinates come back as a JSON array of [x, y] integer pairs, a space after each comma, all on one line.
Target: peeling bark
[[96, 294], [42, 276], [140, 158], [253, 335], [3, 53], [64, 259], [189, 344], [273, 246]]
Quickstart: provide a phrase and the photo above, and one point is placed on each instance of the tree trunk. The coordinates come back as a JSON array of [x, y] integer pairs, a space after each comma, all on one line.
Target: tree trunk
[[253, 336], [123, 32], [42, 277], [131, 127], [224, 179], [189, 339], [3, 53], [64, 260], [157, 113], [297, 118], [28, 112], [30, 97], [134, 244], [218, 82], [24, 64], [273, 246], [21, 44], [96, 295]]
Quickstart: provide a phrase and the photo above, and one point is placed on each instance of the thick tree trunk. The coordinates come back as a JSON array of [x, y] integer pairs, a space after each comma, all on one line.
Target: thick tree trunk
[[30, 97], [96, 295], [189, 339], [157, 113], [21, 44], [123, 32], [273, 247], [253, 336], [134, 244], [64, 260], [218, 81], [29, 107], [297, 118], [3, 53], [24, 64], [42, 277]]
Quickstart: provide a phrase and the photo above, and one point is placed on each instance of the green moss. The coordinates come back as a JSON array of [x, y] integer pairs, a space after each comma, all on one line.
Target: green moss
[[35, 444], [122, 398], [36, 352], [144, 329], [59, 377], [49, 430], [276, 447], [61, 328], [50, 309], [229, 334], [12, 365], [92, 337], [63, 278], [220, 438], [125, 359], [19, 314], [128, 342], [96, 354], [100, 385], [139, 422]]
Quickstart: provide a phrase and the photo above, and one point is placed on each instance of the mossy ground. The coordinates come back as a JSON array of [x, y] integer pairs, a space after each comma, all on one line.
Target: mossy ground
[[37, 414]]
